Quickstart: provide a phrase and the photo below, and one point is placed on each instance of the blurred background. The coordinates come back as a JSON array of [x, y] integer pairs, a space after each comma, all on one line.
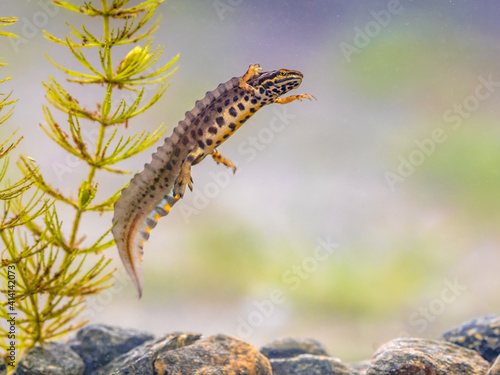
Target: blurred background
[[368, 214]]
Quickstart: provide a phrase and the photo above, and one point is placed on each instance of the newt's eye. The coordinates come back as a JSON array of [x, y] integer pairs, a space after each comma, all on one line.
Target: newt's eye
[[282, 73]]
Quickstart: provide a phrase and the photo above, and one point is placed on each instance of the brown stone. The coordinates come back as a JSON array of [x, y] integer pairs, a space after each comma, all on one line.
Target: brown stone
[[413, 356], [215, 355]]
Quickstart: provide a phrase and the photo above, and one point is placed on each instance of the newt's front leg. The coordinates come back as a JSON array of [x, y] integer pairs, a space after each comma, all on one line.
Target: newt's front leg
[[216, 155], [292, 98], [252, 71]]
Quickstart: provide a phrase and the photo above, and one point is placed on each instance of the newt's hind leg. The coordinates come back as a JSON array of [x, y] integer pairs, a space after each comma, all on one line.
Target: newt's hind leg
[[216, 155], [184, 177], [252, 71]]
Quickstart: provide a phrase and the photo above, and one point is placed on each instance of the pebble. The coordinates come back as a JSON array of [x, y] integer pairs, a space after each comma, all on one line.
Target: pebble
[[140, 360], [308, 364], [480, 334], [292, 347], [405, 356], [215, 355], [52, 359], [99, 344]]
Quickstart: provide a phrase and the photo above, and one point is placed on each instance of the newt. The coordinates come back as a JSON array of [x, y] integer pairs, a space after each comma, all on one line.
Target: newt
[[152, 192]]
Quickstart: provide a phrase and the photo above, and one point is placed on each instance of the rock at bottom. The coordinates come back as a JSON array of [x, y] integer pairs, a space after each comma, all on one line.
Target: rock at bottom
[[99, 344], [308, 364], [481, 334], [415, 356], [291, 347], [52, 359], [140, 360], [215, 355]]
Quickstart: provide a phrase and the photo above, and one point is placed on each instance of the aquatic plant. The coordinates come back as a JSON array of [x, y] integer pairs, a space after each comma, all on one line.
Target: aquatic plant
[[55, 267]]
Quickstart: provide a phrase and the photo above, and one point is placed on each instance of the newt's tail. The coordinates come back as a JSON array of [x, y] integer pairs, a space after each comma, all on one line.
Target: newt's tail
[[130, 246]]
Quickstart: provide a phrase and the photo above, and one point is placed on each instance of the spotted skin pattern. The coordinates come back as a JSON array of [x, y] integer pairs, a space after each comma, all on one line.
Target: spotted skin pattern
[[152, 192]]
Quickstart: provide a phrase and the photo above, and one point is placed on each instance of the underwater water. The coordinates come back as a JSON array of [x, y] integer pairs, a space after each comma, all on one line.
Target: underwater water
[[368, 214]]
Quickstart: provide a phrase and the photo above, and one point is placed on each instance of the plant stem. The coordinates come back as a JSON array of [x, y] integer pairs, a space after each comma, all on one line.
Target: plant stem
[[74, 229], [102, 127]]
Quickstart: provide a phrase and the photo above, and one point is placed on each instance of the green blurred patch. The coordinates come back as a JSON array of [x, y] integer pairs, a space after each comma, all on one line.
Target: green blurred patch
[[407, 59], [229, 258], [224, 259], [365, 281], [464, 171], [230, 261], [389, 63]]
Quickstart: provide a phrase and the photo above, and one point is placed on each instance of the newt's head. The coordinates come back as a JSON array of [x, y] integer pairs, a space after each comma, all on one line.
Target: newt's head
[[277, 82]]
